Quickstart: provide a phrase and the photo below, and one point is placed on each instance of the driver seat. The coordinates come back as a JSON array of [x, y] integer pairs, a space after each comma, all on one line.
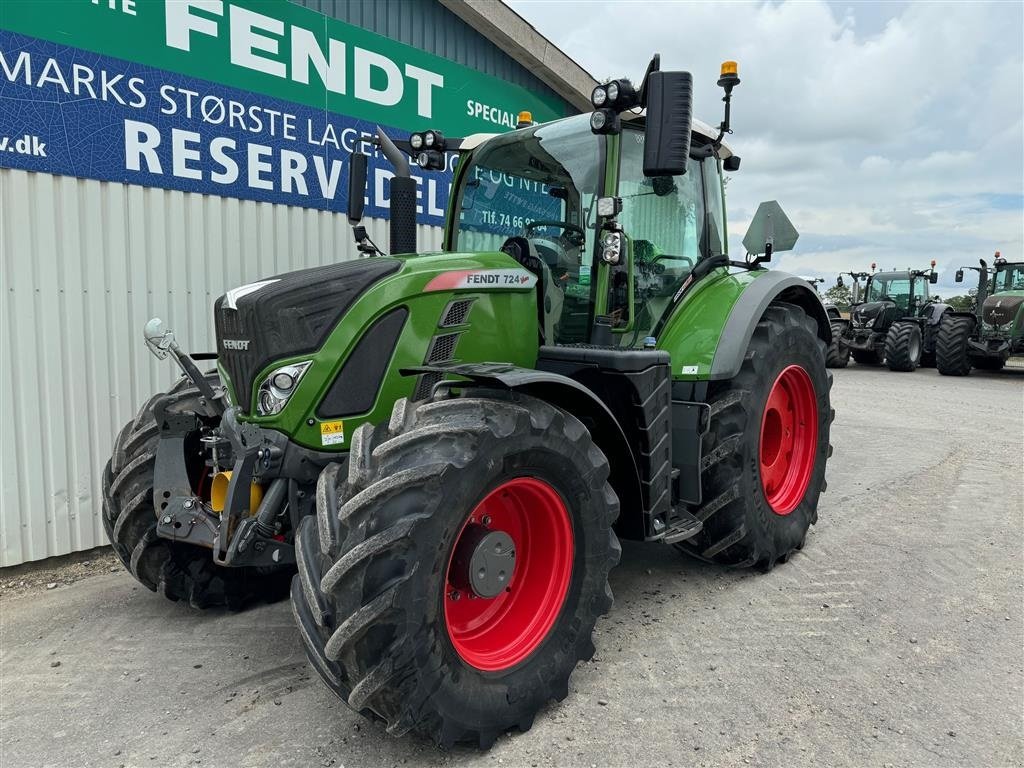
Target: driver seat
[[550, 297]]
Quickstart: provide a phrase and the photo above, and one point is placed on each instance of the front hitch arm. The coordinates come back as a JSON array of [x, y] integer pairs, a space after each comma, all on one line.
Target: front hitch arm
[[160, 340]]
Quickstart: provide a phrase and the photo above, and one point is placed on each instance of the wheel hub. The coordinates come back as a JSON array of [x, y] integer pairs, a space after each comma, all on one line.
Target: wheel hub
[[788, 440], [484, 561], [508, 574]]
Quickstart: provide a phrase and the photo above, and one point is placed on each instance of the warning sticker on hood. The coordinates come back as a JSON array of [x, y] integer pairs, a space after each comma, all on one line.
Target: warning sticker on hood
[[482, 280], [332, 433]]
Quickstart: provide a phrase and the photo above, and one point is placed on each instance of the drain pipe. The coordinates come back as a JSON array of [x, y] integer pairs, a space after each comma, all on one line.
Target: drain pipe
[[403, 198]]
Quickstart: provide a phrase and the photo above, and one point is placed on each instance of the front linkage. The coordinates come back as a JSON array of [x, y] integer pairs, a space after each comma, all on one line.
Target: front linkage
[[226, 511]]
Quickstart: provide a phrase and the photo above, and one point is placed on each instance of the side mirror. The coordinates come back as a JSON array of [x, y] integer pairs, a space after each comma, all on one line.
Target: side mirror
[[669, 121], [959, 276], [356, 187], [839, 282], [933, 278]]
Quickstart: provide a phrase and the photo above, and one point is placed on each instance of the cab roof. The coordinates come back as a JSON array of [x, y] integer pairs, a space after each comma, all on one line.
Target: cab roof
[[699, 127]]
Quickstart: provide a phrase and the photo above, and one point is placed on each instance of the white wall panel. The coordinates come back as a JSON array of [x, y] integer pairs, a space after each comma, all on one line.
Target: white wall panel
[[85, 264]]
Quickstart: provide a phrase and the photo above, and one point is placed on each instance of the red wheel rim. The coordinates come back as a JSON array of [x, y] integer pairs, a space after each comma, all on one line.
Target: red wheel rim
[[498, 633], [789, 439]]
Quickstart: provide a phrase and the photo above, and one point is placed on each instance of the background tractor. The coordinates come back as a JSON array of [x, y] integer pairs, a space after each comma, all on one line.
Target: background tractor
[[447, 447], [838, 354], [893, 319], [994, 332]]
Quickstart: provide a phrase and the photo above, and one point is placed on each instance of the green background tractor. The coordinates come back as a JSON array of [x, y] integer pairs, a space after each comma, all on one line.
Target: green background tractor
[[893, 319], [448, 447], [994, 332]]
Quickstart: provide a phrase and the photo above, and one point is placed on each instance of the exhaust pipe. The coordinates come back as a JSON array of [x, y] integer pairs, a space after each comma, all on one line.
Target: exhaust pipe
[[403, 198]]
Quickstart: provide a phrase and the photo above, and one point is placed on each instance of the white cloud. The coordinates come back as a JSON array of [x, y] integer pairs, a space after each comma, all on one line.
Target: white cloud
[[896, 140]]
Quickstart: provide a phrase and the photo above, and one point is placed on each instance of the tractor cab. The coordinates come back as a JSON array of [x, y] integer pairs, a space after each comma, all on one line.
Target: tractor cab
[[544, 195]]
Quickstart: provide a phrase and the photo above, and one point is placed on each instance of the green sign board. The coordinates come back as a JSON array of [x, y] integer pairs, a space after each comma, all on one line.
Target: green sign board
[[282, 50]]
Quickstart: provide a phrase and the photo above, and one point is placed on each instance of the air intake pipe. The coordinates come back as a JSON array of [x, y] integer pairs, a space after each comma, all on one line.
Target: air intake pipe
[[403, 198]]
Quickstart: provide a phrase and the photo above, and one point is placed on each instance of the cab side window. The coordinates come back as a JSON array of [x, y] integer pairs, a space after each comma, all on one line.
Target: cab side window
[[664, 218]]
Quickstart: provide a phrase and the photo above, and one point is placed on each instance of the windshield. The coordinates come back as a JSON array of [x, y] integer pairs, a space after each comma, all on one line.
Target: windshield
[[896, 289], [540, 184], [1009, 277]]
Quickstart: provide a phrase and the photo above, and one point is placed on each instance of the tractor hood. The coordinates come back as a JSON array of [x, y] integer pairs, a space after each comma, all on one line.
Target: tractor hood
[[1002, 308], [287, 315], [873, 314]]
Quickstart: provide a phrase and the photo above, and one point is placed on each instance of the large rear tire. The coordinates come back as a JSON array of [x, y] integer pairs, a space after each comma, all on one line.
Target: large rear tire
[[838, 355], [388, 615], [177, 571], [765, 451], [951, 356], [903, 346]]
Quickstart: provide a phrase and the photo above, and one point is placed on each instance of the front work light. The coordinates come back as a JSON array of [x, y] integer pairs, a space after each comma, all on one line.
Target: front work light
[[605, 121], [428, 140], [430, 160], [599, 96]]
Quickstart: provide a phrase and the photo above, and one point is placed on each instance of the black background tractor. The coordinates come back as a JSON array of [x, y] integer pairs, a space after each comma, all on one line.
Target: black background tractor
[[893, 319], [987, 337]]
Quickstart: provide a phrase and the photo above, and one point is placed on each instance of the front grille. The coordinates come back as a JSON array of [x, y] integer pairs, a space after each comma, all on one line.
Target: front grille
[[289, 315]]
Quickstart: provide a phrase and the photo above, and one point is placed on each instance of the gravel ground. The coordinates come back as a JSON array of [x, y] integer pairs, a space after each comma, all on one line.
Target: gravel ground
[[895, 638]]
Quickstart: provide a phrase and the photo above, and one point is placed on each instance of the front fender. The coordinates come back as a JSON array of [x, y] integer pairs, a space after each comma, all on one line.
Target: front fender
[[933, 312], [569, 395]]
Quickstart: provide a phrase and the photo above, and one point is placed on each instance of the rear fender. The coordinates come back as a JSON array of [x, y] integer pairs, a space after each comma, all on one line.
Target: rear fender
[[750, 307]]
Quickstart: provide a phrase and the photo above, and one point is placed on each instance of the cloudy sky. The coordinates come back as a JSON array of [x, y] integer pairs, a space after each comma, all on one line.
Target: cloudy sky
[[889, 132]]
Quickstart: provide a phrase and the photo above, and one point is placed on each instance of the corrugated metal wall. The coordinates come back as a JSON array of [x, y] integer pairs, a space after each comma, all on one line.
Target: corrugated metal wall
[[85, 264]]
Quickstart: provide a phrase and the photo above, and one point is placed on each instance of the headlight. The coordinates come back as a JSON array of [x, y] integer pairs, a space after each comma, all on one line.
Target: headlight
[[416, 140], [870, 323], [278, 387], [599, 96]]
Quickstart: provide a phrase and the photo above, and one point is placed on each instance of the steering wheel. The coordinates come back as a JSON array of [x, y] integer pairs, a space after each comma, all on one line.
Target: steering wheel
[[578, 236]]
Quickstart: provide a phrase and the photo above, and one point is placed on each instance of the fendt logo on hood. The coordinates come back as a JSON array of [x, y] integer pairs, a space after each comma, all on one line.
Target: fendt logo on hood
[[239, 344], [481, 279]]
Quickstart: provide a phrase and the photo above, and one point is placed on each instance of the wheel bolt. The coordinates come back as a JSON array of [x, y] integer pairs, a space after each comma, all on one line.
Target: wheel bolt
[[486, 520], [454, 595]]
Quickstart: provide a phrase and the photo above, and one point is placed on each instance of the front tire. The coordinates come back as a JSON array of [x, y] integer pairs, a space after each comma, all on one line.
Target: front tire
[[176, 571], [765, 451], [382, 599], [903, 346], [838, 355], [951, 356]]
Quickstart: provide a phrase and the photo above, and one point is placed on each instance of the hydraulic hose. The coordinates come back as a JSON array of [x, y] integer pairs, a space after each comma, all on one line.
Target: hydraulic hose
[[270, 507]]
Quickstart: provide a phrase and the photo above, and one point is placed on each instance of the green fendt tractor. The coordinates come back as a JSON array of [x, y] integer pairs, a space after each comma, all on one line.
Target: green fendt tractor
[[994, 332], [893, 319], [449, 446]]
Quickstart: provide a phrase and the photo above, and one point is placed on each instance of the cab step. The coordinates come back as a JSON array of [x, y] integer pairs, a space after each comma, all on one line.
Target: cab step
[[682, 526]]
